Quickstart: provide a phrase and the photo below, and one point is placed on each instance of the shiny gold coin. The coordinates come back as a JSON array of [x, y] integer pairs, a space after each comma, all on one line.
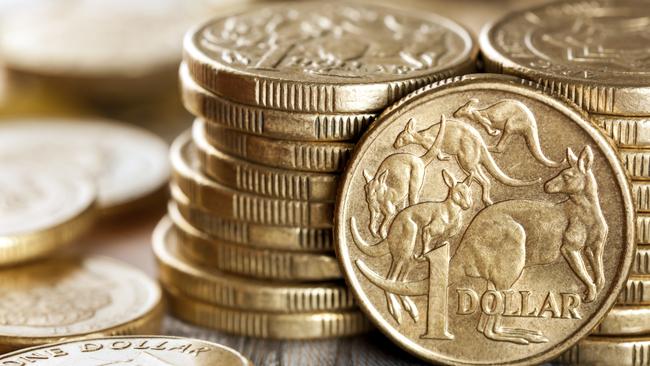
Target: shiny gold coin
[[625, 321], [636, 291], [607, 351], [641, 195], [211, 286], [252, 262], [301, 239], [564, 46], [149, 350], [235, 205], [261, 180], [128, 164], [326, 58], [268, 325], [641, 264], [627, 132], [320, 157], [637, 163], [63, 298], [270, 123], [41, 210], [514, 244], [642, 228]]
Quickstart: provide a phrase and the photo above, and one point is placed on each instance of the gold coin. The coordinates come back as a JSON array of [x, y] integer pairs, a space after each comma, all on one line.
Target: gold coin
[[519, 240], [295, 326], [637, 163], [607, 351], [641, 195], [326, 58], [127, 163], [213, 286], [627, 132], [235, 205], [252, 262], [261, 180], [641, 264], [642, 229], [63, 298], [636, 291], [41, 210], [320, 157], [564, 47], [149, 350], [625, 321], [270, 123], [253, 235]]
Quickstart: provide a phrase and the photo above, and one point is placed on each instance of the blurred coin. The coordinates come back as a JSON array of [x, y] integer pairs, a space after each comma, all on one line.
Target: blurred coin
[[642, 229], [641, 195], [41, 210], [325, 57], [594, 53], [127, 163], [636, 291], [262, 180], [641, 264], [232, 291], [231, 204], [149, 351], [607, 351], [270, 123], [64, 298], [301, 239], [625, 321], [320, 157], [629, 132], [294, 326], [251, 262], [637, 163]]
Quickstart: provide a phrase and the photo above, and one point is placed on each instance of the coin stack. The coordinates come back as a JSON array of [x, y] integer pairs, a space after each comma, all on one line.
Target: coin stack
[[281, 94], [609, 80]]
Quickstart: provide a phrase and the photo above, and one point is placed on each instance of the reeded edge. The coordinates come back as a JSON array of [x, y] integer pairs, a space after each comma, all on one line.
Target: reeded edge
[[244, 360], [196, 58], [624, 313], [632, 346], [149, 321], [496, 62], [524, 87], [211, 285]]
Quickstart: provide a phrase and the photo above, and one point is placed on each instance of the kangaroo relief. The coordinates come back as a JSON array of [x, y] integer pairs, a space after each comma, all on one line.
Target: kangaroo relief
[[508, 118], [465, 144]]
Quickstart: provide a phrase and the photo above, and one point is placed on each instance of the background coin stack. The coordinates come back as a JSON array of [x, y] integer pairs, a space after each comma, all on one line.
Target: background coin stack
[[247, 245], [617, 100]]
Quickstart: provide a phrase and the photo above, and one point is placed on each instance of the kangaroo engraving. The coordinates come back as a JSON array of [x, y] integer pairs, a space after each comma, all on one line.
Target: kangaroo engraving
[[508, 118], [466, 144], [398, 182], [433, 222]]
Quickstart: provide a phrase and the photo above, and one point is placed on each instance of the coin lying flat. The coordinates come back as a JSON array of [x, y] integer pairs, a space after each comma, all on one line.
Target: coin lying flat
[[247, 261], [636, 291], [212, 286], [271, 123], [642, 229], [127, 163], [489, 257], [149, 350], [637, 163], [295, 326], [641, 264], [641, 194], [301, 239], [236, 205], [627, 132], [625, 321], [592, 52], [262, 180], [320, 157], [324, 58], [605, 351], [64, 298], [41, 210]]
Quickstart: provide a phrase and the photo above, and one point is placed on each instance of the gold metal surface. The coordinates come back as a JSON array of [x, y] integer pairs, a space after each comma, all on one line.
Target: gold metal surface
[[607, 351], [625, 321]]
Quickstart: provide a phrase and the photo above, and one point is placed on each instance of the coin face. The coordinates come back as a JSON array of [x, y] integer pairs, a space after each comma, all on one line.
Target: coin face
[[320, 57], [129, 351], [593, 52], [508, 231], [72, 297], [126, 162]]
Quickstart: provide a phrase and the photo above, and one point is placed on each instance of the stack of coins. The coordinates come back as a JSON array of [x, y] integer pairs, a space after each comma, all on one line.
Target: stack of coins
[[281, 94], [563, 47]]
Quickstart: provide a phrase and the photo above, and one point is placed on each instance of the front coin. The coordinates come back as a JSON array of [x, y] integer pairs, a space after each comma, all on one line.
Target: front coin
[[496, 225]]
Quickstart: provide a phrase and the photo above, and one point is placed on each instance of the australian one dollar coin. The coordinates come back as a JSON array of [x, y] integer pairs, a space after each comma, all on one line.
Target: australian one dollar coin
[[481, 221]]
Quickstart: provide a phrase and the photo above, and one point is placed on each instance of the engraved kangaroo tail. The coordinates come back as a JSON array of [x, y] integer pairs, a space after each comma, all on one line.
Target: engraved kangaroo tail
[[488, 162], [371, 250], [532, 140]]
